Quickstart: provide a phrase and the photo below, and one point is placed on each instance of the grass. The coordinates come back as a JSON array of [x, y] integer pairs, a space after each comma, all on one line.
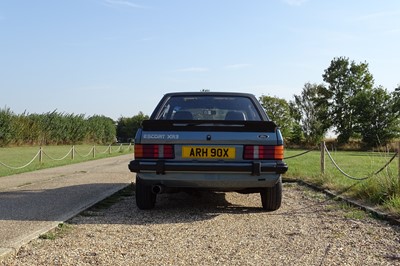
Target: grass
[[19, 156], [59, 231], [113, 199], [393, 204], [350, 212], [382, 189], [109, 201]]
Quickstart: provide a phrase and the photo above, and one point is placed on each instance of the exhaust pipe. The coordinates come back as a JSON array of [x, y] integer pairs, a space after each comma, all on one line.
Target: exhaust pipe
[[157, 189]]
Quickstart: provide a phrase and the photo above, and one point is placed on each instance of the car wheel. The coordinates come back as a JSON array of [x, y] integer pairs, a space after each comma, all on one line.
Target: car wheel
[[145, 198], [271, 197]]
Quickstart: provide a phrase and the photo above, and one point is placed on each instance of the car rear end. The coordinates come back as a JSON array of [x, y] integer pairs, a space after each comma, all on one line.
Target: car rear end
[[208, 141], [201, 156]]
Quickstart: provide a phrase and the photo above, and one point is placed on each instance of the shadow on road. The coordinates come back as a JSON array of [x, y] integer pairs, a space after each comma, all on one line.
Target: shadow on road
[[170, 208], [51, 204]]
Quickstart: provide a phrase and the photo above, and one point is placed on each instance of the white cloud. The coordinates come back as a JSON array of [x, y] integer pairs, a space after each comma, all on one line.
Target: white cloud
[[193, 69], [237, 66], [379, 23], [378, 15], [125, 3]]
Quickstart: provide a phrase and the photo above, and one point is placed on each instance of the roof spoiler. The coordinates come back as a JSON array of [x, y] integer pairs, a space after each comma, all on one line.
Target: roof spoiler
[[209, 125]]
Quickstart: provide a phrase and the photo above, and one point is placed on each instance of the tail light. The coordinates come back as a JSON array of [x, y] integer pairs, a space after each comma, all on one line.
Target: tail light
[[154, 151], [262, 152]]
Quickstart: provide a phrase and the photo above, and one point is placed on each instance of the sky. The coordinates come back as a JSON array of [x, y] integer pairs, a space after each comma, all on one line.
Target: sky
[[119, 57]]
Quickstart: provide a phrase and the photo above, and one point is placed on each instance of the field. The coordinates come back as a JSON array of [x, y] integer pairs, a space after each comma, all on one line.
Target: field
[[15, 158], [382, 189]]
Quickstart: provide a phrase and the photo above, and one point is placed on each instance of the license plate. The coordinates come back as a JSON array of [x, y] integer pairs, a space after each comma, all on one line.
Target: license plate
[[207, 152]]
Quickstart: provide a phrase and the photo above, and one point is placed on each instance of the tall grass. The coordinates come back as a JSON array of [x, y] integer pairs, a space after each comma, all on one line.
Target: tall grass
[[382, 189], [54, 128]]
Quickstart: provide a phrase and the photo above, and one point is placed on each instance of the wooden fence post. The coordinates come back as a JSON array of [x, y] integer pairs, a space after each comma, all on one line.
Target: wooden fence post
[[94, 151], [323, 157], [398, 163], [40, 155], [73, 152]]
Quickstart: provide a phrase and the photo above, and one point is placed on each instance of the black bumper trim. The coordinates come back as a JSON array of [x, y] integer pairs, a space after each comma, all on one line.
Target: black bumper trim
[[160, 167]]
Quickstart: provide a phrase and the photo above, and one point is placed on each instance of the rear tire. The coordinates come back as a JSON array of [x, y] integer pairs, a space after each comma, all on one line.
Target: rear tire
[[271, 197], [145, 198]]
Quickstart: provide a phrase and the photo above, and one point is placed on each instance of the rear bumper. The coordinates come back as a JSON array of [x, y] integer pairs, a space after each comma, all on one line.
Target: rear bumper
[[162, 167], [210, 181]]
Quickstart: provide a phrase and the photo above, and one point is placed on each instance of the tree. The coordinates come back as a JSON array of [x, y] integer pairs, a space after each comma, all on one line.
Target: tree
[[278, 111], [377, 119], [309, 110], [396, 100], [101, 129], [127, 127], [345, 79]]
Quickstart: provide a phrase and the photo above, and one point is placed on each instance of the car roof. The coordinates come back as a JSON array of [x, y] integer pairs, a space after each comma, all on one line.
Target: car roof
[[208, 93]]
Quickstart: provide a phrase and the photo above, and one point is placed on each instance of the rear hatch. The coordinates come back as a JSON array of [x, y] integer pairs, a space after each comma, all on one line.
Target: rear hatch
[[227, 141]]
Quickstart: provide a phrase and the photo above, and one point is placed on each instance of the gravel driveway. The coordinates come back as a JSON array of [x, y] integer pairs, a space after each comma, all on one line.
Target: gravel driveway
[[220, 228]]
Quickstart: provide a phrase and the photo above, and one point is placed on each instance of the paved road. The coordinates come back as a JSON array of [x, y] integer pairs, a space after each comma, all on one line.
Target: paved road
[[33, 203]]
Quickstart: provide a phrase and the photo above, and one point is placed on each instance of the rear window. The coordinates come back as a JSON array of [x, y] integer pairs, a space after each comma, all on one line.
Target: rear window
[[209, 108]]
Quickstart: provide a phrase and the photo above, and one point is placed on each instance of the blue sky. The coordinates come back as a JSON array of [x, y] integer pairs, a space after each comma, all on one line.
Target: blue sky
[[118, 57]]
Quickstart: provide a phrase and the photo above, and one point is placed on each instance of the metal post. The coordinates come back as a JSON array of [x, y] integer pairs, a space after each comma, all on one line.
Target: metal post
[[322, 157]]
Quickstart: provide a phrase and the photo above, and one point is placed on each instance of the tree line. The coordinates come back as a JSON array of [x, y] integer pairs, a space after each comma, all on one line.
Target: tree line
[[348, 102]]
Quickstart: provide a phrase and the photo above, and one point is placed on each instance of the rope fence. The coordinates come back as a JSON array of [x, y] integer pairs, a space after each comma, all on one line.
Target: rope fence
[[324, 150], [93, 151], [358, 178], [72, 153], [20, 167], [56, 159], [300, 154]]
